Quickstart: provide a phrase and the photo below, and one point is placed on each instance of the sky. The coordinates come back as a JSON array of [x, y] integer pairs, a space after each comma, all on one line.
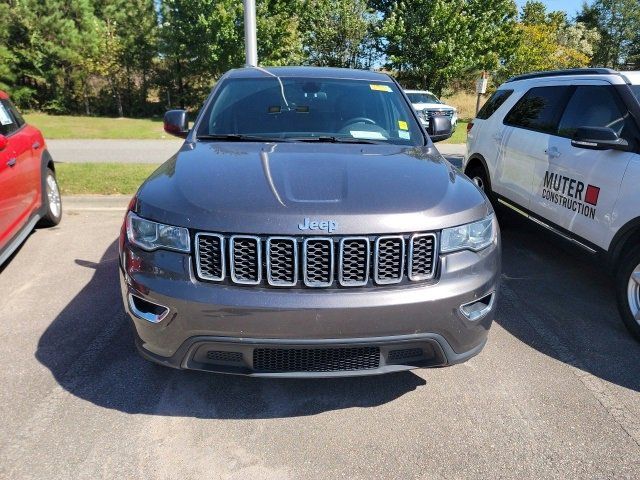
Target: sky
[[569, 6]]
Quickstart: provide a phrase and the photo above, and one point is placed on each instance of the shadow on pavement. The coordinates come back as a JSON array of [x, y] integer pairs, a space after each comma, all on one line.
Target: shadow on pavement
[[89, 349], [561, 301], [554, 299]]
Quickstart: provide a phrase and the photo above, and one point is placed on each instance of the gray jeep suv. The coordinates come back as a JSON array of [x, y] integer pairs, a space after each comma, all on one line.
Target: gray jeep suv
[[308, 227]]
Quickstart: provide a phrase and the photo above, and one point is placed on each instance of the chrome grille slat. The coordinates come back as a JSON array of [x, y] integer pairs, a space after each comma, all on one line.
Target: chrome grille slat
[[318, 262], [422, 248], [311, 261], [246, 259], [282, 261], [210, 255], [353, 264], [389, 259]]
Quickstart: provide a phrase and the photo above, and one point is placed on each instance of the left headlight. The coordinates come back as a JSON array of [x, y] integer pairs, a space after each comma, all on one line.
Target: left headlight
[[150, 235], [471, 236]]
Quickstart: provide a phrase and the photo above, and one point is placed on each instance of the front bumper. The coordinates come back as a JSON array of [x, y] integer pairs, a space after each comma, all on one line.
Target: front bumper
[[229, 329]]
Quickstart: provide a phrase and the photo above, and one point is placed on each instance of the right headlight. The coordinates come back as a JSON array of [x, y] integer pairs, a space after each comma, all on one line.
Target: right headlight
[[471, 236], [150, 235]]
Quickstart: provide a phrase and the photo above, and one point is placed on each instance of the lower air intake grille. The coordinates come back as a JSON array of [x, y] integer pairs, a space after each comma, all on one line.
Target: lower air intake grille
[[397, 355], [222, 356], [315, 359]]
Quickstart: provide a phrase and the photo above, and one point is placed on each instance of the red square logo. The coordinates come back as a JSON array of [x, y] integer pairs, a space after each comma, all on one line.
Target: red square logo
[[592, 195]]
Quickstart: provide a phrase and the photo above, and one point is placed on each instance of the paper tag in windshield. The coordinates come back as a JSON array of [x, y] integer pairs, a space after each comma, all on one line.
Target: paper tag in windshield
[[367, 135], [5, 119], [380, 88], [404, 135], [402, 125]]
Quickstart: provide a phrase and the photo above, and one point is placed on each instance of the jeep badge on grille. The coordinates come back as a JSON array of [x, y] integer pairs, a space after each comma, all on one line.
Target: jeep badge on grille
[[325, 225]]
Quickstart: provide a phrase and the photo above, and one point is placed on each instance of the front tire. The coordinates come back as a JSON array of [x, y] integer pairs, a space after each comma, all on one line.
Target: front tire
[[51, 201], [479, 176], [628, 291]]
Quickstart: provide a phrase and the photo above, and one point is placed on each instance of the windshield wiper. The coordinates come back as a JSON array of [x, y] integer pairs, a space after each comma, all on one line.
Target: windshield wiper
[[237, 137], [333, 139]]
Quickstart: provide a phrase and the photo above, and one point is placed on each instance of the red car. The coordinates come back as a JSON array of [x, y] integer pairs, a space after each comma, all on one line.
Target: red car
[[29, 193]]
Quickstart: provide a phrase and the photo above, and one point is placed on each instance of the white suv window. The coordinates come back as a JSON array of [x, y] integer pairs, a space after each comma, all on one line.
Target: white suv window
[[593, 106], [538, 109]]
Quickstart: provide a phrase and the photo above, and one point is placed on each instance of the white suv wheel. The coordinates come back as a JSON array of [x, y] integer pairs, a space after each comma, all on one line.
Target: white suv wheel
[[633, 293]]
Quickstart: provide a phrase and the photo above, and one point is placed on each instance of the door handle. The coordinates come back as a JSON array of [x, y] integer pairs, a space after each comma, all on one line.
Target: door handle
[[36, 145], [11, 162], [497, 137]]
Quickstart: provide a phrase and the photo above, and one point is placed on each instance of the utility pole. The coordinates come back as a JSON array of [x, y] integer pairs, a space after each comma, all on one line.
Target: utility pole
[[250, 40]]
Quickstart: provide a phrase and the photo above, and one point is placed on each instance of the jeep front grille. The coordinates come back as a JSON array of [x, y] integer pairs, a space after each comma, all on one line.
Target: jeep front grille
[[316, 262]]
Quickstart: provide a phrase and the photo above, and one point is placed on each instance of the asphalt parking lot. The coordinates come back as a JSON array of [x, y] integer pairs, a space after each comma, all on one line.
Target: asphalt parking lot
[[553, 395]]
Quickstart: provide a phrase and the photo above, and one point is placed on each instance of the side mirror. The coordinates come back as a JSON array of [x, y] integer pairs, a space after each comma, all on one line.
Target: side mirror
[[439, 128], [175, 123], [599, 138]]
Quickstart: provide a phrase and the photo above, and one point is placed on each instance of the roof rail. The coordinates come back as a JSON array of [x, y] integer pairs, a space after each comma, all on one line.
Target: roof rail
[[561, 73]]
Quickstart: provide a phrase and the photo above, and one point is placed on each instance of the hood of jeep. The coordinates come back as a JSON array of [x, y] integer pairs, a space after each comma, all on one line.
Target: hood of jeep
[[266, 188]]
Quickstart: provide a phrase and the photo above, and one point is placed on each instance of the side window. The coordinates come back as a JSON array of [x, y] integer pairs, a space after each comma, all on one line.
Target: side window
[[494, 103], [16, 114], [593, 106], [8, 124], [538, 109]]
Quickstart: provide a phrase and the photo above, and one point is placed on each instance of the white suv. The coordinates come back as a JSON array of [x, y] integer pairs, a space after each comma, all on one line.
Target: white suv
[[427, 105], [562, 148]]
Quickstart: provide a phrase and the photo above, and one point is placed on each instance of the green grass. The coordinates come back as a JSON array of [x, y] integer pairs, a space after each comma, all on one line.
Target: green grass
[[102, 178], [78, 127], [460, 135]]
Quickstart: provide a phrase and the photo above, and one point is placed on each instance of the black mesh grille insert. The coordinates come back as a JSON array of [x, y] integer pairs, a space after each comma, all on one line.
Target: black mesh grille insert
[[397, 355], [390, 259], [222, 356], [282, 264], [319, 262], [211, 257], [315, 359], [325, 262], [245, 259], [422, 261], [355, 261]]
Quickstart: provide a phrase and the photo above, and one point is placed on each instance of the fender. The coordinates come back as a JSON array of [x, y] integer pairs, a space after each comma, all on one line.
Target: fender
[[627, 232], [480, 158], [46, 161]]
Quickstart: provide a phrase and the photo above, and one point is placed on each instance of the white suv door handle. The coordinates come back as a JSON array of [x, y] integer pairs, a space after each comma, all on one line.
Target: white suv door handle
[[552, 152], [497, 137]]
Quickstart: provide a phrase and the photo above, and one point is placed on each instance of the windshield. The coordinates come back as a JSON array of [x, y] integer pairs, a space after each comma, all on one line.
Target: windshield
[[308, 109], [423, 98]]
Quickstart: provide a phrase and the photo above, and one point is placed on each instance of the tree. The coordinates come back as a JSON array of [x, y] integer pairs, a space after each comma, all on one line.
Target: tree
[[431, 42], [132, 27], [335, 31], [533, 13], [618, 23], [279, 38], [549, 41], [540, 50], [202, 39]]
